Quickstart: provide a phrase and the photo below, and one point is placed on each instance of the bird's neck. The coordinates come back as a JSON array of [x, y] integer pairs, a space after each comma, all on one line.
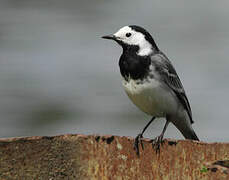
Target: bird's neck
[[134, 66], [147, 51], [143, 50], [130, 49]]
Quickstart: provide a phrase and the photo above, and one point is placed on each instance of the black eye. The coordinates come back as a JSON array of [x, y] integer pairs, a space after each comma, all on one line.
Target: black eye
[[128, 34]]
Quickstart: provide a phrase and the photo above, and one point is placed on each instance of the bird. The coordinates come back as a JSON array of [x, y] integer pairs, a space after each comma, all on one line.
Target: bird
[[152, 84]]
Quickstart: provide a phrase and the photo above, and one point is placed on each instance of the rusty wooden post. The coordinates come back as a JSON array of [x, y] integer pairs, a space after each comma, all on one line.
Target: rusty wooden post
[[110, 157]]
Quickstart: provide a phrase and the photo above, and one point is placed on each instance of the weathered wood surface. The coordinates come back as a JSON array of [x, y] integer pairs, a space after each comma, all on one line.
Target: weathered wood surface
[[110, 157]]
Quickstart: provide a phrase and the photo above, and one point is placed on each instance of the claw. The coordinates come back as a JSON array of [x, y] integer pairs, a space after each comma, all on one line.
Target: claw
[[157, 143], [136, 143]]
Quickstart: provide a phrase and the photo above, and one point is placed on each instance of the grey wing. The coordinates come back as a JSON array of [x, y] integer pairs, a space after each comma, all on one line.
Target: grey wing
[[169, 76]]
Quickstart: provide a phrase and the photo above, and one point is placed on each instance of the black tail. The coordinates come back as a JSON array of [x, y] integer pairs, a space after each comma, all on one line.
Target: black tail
[[190, 135], [184, 127], [186, 130]]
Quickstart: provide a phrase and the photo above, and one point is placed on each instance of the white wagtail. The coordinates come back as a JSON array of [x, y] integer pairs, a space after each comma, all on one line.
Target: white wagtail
[[152, 83]]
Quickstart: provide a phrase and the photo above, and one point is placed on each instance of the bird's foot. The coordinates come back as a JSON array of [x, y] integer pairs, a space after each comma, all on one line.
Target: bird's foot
[[138, 140], [157, 143]]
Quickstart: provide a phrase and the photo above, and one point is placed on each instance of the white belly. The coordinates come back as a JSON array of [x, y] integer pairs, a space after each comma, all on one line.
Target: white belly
[[151, 97]]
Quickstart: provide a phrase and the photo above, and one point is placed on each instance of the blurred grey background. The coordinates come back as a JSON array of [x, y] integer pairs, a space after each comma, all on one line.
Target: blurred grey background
[[58, 76]]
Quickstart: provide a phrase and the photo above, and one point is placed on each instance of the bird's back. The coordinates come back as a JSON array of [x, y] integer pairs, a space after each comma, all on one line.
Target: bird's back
[[169, 77]]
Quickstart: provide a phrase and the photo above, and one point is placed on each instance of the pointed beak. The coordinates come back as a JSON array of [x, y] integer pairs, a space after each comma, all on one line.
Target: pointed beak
[[111, 36]]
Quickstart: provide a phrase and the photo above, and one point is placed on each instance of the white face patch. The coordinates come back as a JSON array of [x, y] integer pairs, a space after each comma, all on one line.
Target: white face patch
[[135, 38]]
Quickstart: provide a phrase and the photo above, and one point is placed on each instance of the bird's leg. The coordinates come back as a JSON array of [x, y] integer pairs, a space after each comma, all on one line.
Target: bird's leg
[[140, 136], [158, 141]]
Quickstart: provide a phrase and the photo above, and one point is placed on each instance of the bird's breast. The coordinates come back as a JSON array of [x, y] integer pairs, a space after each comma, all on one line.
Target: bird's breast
[[134, 66], [150, 96]]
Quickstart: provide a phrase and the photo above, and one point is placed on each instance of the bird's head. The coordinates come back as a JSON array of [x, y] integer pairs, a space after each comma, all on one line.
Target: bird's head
[[136, 37]]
